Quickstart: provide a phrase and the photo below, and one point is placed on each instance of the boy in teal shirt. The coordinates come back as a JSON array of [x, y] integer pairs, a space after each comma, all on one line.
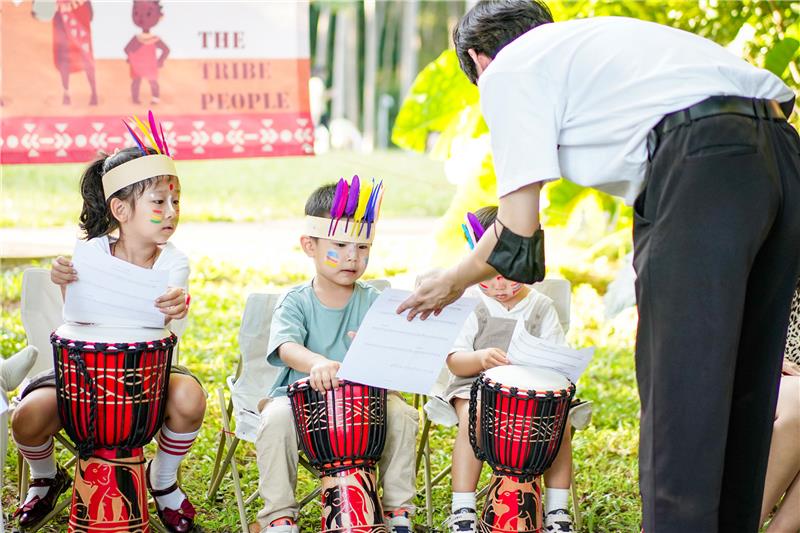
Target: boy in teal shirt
[[309, 336]]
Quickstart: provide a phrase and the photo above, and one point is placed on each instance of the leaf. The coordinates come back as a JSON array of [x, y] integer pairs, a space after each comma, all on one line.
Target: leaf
[[436, 100], [780, 55]]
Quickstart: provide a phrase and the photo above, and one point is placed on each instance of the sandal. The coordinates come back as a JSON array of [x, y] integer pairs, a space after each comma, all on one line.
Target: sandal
[[31, 512], [175, 520]]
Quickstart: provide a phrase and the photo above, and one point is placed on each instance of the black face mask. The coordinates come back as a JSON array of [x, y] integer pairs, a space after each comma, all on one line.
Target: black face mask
[[519, 258]]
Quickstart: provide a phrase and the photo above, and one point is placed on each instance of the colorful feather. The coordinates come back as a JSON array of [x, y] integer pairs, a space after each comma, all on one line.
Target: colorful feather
[[475, 224], [352, 200], [363, 199], [472, 238], [371, 213], [146, 133], [135, 138], [164, 140], [338, 205], [468, 237], [154, 131]]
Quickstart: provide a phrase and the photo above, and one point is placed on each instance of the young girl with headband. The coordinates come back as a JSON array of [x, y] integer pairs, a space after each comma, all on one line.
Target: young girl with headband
[[135, 191]]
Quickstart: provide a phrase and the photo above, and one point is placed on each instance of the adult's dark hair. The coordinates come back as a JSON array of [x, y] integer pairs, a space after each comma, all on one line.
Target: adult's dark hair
[[96, 218], [320, 201], [492, 24], [487, 215]]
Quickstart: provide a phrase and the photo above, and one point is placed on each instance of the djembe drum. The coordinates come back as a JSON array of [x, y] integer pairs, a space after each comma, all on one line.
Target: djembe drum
[[111, 386], [523, 413], [342, 432]]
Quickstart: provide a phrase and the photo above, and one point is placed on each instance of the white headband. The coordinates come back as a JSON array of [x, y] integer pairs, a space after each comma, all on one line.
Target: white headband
[[326, 228], [137, 170]]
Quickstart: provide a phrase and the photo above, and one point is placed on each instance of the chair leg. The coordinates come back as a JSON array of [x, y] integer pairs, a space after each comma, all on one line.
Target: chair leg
[[221, 464], [428, 485], [237, 487], [22, 468], [576, 508], [423, 441]]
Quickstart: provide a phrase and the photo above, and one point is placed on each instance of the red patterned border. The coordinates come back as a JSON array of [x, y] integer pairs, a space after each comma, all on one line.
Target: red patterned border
[[78, 139]]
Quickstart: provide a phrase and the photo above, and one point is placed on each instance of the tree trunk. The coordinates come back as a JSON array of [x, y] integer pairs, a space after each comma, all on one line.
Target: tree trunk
[[370, 67], [409, 43]]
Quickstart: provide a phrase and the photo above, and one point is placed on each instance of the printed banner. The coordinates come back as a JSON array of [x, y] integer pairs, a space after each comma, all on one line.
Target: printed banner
[[226, 78]]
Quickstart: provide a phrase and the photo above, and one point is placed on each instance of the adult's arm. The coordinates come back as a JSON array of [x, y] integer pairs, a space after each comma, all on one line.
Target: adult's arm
[[517, 210]]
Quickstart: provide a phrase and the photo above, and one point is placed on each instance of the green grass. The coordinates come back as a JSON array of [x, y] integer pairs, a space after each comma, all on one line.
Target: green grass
[[605, 453], [237, 190]]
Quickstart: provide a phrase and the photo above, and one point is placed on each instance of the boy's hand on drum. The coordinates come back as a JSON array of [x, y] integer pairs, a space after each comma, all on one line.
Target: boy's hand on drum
[[492, 357], [62, 272], [173, 303], [323, 375]]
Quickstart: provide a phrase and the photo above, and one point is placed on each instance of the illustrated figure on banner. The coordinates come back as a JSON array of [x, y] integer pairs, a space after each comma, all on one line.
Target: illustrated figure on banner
[[72, 40], [142, 50]]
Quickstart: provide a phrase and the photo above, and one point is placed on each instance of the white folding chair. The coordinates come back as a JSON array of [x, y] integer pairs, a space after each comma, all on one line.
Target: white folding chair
[[248, 386], [437, 411], [41, 306]]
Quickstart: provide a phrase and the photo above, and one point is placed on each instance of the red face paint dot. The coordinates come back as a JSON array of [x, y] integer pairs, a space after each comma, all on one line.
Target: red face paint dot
[[171, 186]]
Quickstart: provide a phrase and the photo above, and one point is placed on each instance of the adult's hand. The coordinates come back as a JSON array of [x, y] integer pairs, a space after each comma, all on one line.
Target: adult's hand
[[434, 291]]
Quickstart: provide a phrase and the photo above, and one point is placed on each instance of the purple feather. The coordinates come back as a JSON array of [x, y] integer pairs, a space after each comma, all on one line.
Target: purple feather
[[135, 138], [164, 140], [154, 131], [352, 200], [372, 206], [338, 205], [477, 227]]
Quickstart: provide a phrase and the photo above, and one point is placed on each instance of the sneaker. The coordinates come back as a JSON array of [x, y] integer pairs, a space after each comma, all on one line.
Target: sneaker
[[463, 520], [558, 521], [282, 525], [398, 521]]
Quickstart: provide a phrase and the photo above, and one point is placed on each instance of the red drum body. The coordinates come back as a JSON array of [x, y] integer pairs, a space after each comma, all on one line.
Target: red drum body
[[111, 399], [343, 432], [523, 414]]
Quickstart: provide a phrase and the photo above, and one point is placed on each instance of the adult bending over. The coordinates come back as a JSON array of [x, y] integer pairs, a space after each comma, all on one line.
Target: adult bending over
[[696, 139]]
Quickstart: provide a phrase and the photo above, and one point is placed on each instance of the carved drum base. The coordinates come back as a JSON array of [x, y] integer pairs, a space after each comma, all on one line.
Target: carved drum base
[[350, 502], [110, 494], [512, 506]]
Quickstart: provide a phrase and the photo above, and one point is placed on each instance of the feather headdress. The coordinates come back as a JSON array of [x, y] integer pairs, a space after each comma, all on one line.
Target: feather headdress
[[358, 203], [473, 230], [147, 166]]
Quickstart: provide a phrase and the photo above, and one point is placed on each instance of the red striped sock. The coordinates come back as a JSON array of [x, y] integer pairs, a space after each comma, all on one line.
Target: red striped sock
[[172, 448], [40, 458]]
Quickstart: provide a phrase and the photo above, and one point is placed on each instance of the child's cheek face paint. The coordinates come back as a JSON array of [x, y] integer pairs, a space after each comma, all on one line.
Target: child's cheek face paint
[[332, 258], [157, 217], [484, 287], [515, 288]]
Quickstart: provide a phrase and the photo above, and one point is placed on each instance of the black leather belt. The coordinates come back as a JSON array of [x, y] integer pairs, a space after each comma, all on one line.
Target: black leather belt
[[712, 106]]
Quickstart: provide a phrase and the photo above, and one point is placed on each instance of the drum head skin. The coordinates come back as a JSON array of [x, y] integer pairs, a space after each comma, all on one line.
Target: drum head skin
[[527, 378], [77, 332]]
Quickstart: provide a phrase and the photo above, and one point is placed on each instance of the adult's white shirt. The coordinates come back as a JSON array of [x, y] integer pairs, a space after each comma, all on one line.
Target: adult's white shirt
[[576, 99]]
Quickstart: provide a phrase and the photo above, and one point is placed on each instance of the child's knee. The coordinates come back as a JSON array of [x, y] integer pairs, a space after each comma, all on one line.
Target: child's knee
[[277, 420], [187, 399], [36, 417], [398, 410]]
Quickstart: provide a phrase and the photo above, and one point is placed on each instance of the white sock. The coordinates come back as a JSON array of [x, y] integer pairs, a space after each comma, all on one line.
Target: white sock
[[172, 448], [42, 463], [463, 500], [555, 499]]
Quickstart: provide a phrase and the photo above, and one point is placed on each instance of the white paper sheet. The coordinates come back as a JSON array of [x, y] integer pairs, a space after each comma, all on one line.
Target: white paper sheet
[[113, 292], [393, 353], [525, 349]]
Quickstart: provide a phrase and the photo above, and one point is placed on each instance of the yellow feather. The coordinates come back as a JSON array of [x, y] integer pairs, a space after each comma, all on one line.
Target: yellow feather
[[363, 198], [147, 133]]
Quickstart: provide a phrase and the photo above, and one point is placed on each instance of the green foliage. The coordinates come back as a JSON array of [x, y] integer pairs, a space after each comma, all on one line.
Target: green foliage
[[605, 453], [441, 115], [236, 190]]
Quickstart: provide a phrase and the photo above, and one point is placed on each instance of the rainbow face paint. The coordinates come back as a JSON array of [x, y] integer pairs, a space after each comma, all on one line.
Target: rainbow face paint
[[158, 216], [332, 258]]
